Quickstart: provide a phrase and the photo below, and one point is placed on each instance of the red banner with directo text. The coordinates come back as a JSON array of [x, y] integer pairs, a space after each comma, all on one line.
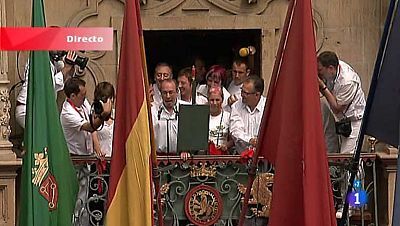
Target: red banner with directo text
[[56, 38]]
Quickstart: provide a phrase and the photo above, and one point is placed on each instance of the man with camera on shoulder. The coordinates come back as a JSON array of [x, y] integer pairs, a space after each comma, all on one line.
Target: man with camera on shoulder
[[341, 86]]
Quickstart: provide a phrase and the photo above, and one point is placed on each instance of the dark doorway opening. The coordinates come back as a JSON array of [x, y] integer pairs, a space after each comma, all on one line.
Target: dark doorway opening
[[179, 47]]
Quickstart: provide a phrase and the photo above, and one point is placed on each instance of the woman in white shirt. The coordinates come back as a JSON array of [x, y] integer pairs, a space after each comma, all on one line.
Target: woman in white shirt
[[103, 92], [219, 138]]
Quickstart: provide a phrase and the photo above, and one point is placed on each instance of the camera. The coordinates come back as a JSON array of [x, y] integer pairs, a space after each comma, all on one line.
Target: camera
[[80, 61], [343, 127], [97, 108]]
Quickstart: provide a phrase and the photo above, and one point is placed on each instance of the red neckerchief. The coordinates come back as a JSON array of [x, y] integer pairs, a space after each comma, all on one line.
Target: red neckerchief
[[74, 107]]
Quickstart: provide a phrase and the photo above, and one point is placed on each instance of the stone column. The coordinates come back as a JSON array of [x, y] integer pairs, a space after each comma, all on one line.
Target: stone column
[[387, 168], [9, 163]]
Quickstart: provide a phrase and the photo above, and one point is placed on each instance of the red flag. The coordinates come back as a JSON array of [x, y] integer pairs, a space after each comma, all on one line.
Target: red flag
[[129, 197], [292, 137]]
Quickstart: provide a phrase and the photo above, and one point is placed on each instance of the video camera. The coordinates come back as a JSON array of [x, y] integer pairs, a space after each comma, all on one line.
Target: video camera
[[80, 61]]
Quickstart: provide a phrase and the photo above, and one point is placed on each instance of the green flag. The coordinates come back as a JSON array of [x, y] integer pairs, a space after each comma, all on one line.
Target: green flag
[[49, 182]]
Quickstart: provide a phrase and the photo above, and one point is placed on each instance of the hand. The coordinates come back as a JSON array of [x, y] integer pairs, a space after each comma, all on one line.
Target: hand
[[70, 57], [222, 147], [151, 93], [69, 69], [99, 154], [321, 83], [232, 99], [253, 141], [185, 156], [107, 108]]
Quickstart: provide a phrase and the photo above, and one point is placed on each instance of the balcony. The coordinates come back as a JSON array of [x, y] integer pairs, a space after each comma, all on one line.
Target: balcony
[[221, 181]]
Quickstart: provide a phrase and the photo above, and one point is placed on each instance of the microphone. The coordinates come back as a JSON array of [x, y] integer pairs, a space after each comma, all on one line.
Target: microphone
[[246, 51]]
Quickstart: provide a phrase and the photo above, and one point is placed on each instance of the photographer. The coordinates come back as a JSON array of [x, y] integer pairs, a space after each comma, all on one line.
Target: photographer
[[60, 71], [78, 123], [345, 97], [104, 91]]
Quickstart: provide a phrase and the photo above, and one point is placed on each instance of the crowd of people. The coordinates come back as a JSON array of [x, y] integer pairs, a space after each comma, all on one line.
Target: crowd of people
[[236, 109], [234, 116], [234, 95]]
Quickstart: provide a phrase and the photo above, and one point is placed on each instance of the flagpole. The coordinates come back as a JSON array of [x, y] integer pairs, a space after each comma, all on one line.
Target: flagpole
[[374, 81], [154, 162], [271, 88]]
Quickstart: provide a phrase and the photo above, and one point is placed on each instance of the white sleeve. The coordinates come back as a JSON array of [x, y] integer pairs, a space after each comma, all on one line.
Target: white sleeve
[[23, 93], [346, 93], [72, 120], [58, 81], [237, 126]]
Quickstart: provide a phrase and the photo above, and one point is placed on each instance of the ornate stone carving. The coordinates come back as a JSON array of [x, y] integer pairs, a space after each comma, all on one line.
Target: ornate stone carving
[[5, 108], [3, 54], [94, 69], [194, 5], [235, 7]]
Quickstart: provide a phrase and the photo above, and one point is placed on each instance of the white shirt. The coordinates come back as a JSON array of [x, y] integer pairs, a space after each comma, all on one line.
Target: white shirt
[[72, 118], [234, 89], [157, 95], [200, 100], [58, 83], [244, 122], [166, 123], [347, 85], [219, 128], [106, 138]]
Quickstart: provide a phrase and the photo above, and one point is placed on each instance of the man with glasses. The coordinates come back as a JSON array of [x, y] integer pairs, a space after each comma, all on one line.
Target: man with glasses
[[165, 118], [240, 71], [162, 72], [247, 113]]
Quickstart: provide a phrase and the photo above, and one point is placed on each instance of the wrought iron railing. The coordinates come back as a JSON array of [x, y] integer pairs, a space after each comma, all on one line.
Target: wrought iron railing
[[211, 189]]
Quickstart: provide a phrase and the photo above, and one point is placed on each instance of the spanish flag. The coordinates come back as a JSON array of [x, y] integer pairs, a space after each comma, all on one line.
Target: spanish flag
[[129, 198]]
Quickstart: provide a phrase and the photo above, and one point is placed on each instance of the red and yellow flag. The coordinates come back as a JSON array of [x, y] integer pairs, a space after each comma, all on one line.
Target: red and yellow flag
[[292, 137], [129, 198]]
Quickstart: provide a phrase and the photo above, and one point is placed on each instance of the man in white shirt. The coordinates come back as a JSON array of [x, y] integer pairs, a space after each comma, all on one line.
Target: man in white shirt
[[77, 126], [165, 118], [346, 99], [247, 113], [79, 131], [59, 71], [161, 72], [240, 71], [185, 87]]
